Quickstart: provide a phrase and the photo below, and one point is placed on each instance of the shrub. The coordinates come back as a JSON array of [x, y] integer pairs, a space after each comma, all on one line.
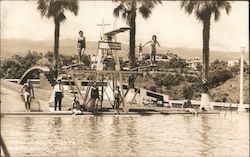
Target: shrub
[[218, 77], [188, 92]]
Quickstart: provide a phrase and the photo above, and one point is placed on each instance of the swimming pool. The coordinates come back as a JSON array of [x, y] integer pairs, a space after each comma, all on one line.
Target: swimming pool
[[156, 135]]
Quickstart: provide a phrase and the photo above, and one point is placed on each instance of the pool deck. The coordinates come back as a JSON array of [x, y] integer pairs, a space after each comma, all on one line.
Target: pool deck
[[107, 113], [10, 91]]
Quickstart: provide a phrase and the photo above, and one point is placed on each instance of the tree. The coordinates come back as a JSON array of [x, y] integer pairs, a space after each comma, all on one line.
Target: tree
[[128, 10], [203, 11], [15, 67], [188, 92], [56, 9]]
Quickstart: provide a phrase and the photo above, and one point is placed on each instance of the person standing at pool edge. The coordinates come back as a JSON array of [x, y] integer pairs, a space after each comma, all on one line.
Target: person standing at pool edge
[[153, 49], [58, 94], [94, 98], [81, 45], [117, 96], [27, 92]]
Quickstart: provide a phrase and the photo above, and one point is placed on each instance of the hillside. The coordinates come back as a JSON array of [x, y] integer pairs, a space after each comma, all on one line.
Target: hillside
[[11, 47], [229, 91]]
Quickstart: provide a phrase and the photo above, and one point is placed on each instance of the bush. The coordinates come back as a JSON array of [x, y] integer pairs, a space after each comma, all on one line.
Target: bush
[[153, 88], [173, 63], [188, 92], [218, 77], [168, 80], [15, 67]]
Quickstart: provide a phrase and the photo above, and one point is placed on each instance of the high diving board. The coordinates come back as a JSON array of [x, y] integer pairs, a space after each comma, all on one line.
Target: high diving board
[[114, 32]]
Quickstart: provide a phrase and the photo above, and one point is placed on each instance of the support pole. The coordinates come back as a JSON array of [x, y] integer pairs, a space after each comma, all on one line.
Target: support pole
[[5, 150], [78, 89], [241, 105], [102, 91]]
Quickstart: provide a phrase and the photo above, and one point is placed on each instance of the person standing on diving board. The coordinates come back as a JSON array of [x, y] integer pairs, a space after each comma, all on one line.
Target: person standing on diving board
[[153, 43], [81, 45]]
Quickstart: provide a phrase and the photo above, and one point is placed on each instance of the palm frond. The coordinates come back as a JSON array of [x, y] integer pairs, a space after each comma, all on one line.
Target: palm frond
[[61, 17], [144, 7], [121, 1], [42, 7], [73, 6], [53, 8], [145, 11], [118, 9], [124, 15], [228, 7], [217, 14], [203, 9], [128, 18], [148, 4]]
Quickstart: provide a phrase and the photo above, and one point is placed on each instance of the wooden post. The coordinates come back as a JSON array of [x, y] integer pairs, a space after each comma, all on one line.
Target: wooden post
[[79, 91], [5, 150], [241, 105], [102, 91]]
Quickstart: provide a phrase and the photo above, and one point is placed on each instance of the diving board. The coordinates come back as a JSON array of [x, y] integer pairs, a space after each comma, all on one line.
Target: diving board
[[114, 32]]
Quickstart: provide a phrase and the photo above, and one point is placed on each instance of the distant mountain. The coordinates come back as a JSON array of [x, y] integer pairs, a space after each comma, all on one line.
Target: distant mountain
[[11, 47]]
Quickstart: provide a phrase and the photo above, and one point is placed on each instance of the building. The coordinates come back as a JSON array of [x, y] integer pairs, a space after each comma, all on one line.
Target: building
[[232, 63], [194, 63]]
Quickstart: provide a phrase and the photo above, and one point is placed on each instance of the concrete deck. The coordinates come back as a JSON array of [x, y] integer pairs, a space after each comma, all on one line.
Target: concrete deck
[[11, 104], [104, 113]]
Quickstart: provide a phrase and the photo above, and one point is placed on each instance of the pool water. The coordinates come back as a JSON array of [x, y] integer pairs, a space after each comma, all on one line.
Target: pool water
[[156, 135]]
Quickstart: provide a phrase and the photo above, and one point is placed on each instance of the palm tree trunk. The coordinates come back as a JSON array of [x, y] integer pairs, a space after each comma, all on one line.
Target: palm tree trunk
[[205, 61], [56, 46], [132, 34]]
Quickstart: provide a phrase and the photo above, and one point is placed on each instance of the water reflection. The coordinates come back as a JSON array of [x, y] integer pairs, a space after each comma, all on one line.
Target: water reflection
[[54, 136], [132, 134], [94, 133], [27, 127], [116, 135], [174, 135], [205, 130]]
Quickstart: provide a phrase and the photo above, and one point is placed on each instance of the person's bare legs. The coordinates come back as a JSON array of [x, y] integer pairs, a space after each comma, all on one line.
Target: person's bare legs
[[81, 52], [79, 56]]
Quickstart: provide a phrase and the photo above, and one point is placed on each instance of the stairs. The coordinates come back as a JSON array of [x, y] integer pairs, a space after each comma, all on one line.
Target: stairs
[[50, 78]]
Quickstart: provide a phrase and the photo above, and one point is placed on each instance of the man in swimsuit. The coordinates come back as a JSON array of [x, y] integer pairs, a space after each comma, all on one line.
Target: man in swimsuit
[[153, 49], [117, 96], [27, 92], [140, 53]]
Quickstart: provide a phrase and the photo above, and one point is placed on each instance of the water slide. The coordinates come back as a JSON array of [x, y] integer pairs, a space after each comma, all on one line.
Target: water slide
[[33, 69]]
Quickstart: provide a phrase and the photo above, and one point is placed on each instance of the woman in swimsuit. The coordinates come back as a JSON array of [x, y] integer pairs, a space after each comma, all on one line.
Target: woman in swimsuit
[[81, 45]]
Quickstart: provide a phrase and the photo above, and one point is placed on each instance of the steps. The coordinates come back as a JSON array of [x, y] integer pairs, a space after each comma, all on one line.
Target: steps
[[50, 78]]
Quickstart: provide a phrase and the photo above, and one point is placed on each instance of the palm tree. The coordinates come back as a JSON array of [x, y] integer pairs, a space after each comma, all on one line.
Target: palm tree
[[56, 9], [203, 11], [128, 10]]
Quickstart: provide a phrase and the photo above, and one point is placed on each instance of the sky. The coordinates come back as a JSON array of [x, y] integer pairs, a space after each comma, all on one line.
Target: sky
[[173, 27]]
